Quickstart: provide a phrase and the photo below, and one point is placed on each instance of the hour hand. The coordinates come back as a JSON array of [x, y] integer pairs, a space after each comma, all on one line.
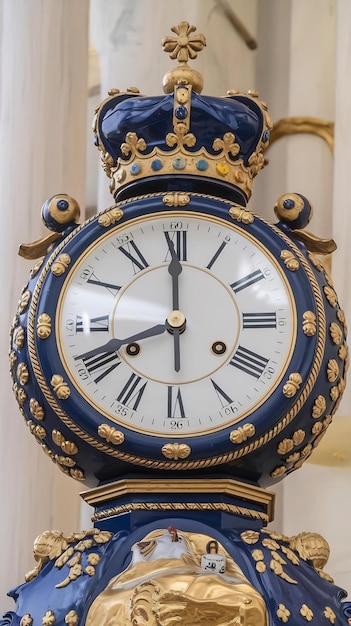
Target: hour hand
[[114, 344]]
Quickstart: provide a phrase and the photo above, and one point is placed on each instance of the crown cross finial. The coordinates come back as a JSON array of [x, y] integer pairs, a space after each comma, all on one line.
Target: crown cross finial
[[183, 46]]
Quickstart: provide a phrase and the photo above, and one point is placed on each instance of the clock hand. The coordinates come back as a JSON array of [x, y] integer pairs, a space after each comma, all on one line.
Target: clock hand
[[174, 269], [114, 344]]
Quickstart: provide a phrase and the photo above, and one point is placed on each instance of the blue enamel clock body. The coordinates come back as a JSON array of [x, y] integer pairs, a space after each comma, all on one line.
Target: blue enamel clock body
[[289, 408]]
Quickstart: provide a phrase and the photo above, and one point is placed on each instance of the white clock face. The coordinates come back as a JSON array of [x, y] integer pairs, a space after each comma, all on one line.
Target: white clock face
[[176, 324]]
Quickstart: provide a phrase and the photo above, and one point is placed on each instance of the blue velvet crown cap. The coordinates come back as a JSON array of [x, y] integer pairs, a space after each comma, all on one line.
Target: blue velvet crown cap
[[148, 142]]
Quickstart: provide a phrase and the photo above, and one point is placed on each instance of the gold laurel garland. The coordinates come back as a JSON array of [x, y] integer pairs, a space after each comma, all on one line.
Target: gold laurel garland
[[224, 458], [181, 506]]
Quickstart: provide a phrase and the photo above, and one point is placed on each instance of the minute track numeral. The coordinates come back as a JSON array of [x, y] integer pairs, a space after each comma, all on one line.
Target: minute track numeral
[[249, 362], [247, 281], [92, 325], [132, 392], [132, 252], [179, 239], [260, 320]]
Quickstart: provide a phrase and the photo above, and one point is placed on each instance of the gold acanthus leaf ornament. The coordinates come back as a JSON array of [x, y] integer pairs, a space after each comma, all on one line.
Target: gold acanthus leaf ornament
[[60, 387], [335, 333], [110, 217], [61, 264], [242, 433], [309, 324], [240, 215], [290, 260], [36, 409], [176, 451], [24, 301], [68, 447], [111, 434], [332, 370], [292, 386], [319, 406], [22, 373], [176, 199], [44, 326]]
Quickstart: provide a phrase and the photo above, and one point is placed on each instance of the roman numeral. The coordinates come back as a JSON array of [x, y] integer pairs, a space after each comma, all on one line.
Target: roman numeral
[[175, 406], [113, 289], [137, 259], [246, 281], [105, 363], [93, 325], [260, 320], [216, 255], [249, 362], [179, 239], [221, 394], [132, 392]]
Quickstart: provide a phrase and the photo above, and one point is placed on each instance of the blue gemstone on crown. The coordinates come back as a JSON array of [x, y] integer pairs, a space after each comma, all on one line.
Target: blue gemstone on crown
[[135, 169], [156, 165], [181, 113], [288, 203], [202, 165]]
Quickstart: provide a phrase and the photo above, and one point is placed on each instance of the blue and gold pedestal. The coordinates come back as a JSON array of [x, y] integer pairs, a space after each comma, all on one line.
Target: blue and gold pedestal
[[164, 553]]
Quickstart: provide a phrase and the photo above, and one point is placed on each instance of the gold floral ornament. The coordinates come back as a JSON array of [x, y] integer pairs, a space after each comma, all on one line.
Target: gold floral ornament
[[111, 217], [332, 370], [180, 137], [283, 613], [242, 433], [293, 385], [61, 264], [26, 620], [306, 612], [176, 451], [319, 406], [183, 47], [44, 326], [176, 199], [22, 373], [240, 215], [24, 301], [36, 409], [309, 324], [335, 332], [71, 619], [67, 446], [329, 614], [49, 619], [59, 386], [227, 145], [250, 536], [290, 260], [68, 550], [111, 434]]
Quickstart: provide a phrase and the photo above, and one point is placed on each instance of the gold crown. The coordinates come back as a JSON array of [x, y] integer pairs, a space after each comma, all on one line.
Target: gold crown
[[183, 134]]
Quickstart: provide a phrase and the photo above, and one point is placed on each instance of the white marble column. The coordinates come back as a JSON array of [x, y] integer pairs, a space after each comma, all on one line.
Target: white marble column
[[43, 87]]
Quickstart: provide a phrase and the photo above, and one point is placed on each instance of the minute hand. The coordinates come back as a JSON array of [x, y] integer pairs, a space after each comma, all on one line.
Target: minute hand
[[174, 269], [114, 344]]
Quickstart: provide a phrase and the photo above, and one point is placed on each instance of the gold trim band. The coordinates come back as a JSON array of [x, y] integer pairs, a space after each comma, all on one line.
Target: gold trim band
[[227, 487], [181, 506]]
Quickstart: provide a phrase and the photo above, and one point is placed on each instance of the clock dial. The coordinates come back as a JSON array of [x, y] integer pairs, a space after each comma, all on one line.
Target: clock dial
[[176, 324]]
